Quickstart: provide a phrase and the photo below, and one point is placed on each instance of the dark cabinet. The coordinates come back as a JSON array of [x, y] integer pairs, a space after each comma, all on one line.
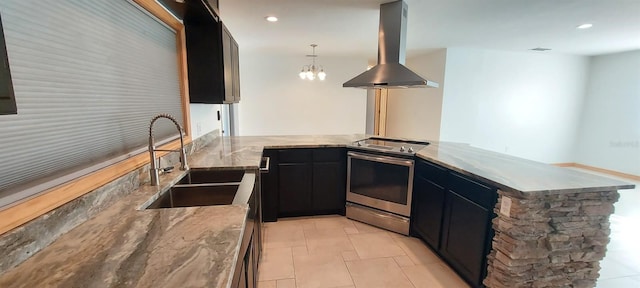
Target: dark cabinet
[[428, 202], [452, 214], [231, 69], [269, 185], [304, 181], [328, 185], [466, 229], [295, 188], [245, 271], [7, 97], [212, 58]]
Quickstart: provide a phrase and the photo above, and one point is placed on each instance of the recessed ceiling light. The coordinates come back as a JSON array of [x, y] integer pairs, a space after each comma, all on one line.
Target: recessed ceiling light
[[585, 26], [540, 49], [271, 18]]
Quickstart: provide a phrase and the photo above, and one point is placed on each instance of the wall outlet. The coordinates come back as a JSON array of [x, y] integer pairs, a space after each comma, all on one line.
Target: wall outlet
[[505, 206]]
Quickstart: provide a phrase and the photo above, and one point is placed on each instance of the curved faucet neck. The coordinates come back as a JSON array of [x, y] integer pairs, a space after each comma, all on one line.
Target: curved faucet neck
[[155, 181]]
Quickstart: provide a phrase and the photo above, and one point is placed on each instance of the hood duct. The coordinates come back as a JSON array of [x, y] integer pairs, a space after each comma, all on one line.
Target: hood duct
[[392, 38]]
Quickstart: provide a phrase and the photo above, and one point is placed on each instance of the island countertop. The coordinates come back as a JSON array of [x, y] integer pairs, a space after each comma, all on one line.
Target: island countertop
[[515, 174]]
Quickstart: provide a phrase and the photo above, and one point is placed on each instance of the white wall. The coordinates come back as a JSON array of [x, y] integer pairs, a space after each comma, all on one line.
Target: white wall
[[415, 113], [275, 101], [610, 128], [519, 103], [204, 119]]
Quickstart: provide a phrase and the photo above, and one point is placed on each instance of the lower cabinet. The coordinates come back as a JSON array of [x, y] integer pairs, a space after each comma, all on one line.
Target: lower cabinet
[[294, 181], [245, 272], [328, 190], [428, 202], [304, 181], [453, 214], [269, 186]]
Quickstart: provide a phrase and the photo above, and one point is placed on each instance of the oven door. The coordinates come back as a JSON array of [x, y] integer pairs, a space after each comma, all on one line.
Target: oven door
[[380, 182]]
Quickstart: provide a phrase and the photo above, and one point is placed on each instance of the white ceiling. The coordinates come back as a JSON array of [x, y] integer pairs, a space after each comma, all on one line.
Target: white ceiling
[[351, 26]]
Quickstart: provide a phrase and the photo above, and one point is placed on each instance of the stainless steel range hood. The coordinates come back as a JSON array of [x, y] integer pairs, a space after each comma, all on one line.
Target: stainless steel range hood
[[392, 38]]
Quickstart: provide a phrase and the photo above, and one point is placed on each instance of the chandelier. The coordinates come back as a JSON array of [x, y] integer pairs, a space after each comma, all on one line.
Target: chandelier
[[312, 71]]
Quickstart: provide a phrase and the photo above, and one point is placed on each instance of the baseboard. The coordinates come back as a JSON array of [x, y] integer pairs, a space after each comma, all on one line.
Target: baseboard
[[601, 170]]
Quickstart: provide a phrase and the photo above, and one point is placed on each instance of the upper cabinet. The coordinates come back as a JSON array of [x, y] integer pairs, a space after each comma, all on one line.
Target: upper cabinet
[[231, 67], [212, 54], [7, 97]]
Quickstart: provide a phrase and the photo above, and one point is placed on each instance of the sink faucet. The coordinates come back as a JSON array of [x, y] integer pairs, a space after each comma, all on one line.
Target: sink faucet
[[154, 170]]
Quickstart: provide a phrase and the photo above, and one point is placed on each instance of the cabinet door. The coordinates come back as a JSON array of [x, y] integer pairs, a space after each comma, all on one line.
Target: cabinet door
[[235, 56], [465, 236], [328, 194], [228, 65], [295, 188], [249, 263], [426, 219], [205, 61], [269, 185]]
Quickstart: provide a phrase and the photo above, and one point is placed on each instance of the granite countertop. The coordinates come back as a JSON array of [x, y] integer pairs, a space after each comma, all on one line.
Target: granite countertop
[[246, 151], [515, 174], [123, 246], [126, 246], [197, 246]]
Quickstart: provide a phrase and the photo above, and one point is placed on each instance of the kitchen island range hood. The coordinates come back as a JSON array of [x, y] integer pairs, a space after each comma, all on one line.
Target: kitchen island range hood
[[392, 38]]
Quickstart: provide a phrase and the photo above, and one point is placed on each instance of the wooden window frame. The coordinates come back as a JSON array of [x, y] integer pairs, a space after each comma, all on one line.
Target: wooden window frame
[[28, 209]]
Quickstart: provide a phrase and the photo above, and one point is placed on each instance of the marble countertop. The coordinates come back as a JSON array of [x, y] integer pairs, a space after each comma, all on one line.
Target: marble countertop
[[246, 151], [128, 246], [131, 247], [123, 246], [500, 170], [515, 174]]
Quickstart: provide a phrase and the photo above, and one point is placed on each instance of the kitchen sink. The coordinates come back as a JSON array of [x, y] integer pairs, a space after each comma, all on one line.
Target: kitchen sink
[[211, 176], [188, 196], [206, 188]]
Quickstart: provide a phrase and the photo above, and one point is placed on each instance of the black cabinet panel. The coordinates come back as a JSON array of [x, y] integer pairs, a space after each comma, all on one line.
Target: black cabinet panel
[[212, 59], [432, 172], [330, 155], [464, 237], [7, 96], [295, 188], [479, 193], [269, 184], [328, 187], [295, 156], [428, 204], [304, 181], [452, 214]]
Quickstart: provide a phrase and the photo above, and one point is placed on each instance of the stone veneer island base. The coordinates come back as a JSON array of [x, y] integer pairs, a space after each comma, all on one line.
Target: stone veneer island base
[[549, 240]]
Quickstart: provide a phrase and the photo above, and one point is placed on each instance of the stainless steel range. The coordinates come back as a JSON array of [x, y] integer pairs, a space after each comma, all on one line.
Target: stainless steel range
[[380, 182]]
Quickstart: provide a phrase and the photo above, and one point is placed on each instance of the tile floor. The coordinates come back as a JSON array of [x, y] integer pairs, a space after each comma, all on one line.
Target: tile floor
[[621, 266], [333, 251]]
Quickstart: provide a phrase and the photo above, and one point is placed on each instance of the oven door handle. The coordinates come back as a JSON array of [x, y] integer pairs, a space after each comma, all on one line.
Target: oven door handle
[[383, 159]]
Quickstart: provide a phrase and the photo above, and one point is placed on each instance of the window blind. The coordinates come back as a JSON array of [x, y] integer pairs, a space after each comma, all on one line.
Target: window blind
[[88, 77]]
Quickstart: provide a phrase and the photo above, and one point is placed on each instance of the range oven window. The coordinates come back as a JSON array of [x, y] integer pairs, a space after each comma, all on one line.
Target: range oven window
[[380, 179]]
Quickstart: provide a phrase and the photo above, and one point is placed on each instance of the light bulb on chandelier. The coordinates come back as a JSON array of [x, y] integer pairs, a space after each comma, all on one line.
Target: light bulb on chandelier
[[312, 71]]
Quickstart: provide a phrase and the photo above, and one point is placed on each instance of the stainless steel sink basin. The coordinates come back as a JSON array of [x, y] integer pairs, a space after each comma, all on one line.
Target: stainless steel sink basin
[[188, 196], [206, 188], [212, 176]]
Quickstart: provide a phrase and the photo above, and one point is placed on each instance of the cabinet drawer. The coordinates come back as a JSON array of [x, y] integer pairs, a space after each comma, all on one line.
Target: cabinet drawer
[[329, 155], [294, 155], [431, 172], [478, 193]]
